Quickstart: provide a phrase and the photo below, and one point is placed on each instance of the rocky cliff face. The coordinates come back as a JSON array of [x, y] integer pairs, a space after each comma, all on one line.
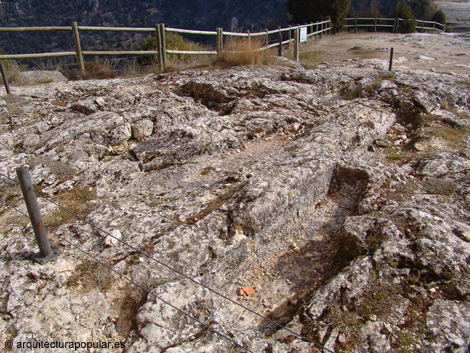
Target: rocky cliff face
[[333, 201]]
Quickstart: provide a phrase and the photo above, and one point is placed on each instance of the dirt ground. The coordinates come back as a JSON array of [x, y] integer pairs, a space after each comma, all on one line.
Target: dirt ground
[[448, 52]]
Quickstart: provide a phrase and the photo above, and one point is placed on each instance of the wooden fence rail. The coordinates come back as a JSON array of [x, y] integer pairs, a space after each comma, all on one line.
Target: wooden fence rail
[[393, 23], [313, 29]]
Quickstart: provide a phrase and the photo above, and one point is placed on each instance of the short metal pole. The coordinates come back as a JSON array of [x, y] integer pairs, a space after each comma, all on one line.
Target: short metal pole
[[46, 253], [279, 50], [5, 79], [391, 60]]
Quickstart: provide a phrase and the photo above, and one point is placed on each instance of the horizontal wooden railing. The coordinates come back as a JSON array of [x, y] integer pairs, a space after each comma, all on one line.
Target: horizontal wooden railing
[[313, 29], [393, 23]]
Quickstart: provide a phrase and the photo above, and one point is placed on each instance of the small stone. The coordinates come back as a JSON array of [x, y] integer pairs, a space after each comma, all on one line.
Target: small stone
[[399, 127], [424, 57], [419, 146], [246, 291], [381, 143], [112, 240], [100, 102]]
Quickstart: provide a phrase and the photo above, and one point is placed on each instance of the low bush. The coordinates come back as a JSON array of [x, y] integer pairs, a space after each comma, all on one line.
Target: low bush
[[173, 41]]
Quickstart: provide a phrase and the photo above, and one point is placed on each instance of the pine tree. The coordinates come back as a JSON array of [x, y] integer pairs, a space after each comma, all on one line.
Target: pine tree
[[440, 16], [305, 11], [403, 10]]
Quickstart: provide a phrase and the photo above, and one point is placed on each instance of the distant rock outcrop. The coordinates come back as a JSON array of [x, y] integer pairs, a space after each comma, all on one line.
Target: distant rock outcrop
[[40, 76]]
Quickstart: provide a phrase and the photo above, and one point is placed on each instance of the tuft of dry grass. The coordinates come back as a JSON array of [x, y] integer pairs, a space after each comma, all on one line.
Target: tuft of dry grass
[[94, 70], [242, 51]]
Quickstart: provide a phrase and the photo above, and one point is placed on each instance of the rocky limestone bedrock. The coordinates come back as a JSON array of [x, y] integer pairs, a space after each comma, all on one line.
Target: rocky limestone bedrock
[[275, 179]]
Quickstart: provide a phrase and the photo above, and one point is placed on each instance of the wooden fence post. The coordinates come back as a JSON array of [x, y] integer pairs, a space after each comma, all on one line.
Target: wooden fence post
[[296, 44], [163, 43], [159, 47], [289, 37], [78, 48], [375, 25], [267, 38], [355, 25], [5, 79], [249, 38], [220, 41], [279, 51]]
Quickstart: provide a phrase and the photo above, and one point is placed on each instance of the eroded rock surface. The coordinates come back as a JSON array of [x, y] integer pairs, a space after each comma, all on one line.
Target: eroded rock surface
[[338, 197]]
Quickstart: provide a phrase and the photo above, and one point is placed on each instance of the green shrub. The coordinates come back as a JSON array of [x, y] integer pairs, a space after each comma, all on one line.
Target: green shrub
[[439, 16], [305, 11], [403, 10], [173, 42]]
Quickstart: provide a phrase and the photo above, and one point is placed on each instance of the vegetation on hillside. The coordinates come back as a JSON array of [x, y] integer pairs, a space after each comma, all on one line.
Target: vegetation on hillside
[[194, 14], [421, 9]]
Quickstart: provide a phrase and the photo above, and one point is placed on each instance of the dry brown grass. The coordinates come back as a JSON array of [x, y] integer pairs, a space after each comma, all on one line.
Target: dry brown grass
[[242, 51], [94, 70], [12, 74]]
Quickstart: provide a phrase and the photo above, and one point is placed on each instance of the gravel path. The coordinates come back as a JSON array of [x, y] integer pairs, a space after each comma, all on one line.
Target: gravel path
[[448, 52]]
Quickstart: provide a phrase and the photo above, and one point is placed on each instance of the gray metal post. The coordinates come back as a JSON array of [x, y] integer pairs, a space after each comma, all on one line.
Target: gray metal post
[[5, 79], [391, 60], [279, 50], [46, 253]]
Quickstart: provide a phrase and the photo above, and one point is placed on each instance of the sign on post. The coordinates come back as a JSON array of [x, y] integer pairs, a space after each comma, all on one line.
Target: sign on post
[[303, 34]]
